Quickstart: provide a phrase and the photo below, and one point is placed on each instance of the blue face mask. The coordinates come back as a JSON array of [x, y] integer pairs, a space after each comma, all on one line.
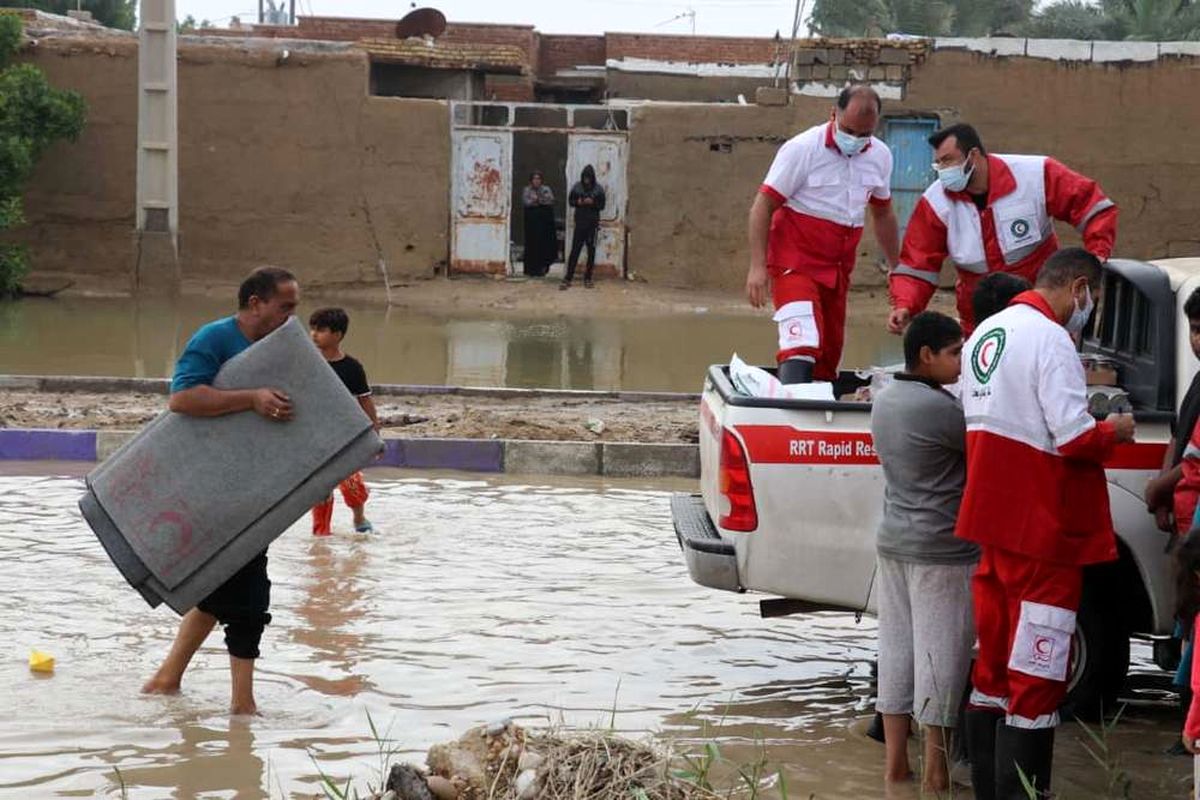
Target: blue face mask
[[849, 144], [956, 178]]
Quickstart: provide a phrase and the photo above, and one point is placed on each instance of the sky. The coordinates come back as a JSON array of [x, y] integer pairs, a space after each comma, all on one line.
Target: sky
[[712, 17]]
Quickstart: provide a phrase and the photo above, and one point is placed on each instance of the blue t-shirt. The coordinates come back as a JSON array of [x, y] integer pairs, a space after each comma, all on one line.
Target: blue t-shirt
[[206, 351]]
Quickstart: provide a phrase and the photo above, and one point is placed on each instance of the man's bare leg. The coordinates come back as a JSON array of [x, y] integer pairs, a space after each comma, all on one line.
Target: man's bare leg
[[193, 630], [241, 672], [895, 734], [936, 775]]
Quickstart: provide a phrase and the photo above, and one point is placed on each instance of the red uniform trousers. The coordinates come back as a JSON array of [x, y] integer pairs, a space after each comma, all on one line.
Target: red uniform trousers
[[1025, 617], [818, 335], [354, 492], [810, 260]]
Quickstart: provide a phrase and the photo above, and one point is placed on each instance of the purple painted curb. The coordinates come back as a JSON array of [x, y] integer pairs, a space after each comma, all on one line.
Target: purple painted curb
[[17, 444], [471, 455]]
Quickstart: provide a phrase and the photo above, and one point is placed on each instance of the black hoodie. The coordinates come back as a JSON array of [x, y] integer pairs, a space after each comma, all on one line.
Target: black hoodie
[[587, 216]]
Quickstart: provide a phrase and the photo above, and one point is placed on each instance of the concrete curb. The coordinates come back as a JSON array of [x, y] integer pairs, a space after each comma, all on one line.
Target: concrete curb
[[108, 385], [552, 458], [513, 456], [471, 455], [31, 444], [634, 460]]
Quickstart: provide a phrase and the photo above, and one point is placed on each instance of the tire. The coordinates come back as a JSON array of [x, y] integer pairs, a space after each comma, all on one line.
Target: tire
[[1099, 658]]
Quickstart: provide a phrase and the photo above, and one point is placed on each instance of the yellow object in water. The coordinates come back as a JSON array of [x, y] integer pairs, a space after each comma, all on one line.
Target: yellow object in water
[[41, 662]]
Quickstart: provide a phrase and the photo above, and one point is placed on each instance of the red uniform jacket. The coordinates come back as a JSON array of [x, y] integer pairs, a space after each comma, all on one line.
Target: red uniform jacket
[[1013, 233], [1035, 475]]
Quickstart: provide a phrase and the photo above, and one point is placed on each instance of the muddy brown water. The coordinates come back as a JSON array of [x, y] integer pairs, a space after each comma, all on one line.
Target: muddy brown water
[[128, 337], [477, 599]]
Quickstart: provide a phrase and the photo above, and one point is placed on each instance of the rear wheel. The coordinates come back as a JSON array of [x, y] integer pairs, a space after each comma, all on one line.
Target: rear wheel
[[1099, 657]]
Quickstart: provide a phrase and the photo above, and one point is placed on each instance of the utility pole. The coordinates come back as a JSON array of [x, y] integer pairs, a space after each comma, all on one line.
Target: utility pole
[[797, 17], [157, 250]]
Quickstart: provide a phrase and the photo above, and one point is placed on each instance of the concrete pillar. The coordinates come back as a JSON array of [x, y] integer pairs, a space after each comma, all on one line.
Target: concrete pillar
[[157, 251]]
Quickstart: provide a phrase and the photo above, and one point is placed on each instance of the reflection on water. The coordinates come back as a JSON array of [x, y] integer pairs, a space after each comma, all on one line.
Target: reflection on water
[[141, 338], [477, 599]]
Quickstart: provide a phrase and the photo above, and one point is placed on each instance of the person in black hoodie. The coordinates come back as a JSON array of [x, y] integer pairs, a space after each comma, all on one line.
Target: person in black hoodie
[[587, 198]]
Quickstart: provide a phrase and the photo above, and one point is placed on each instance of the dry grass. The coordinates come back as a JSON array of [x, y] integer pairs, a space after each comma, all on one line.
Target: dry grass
[[600, 765]]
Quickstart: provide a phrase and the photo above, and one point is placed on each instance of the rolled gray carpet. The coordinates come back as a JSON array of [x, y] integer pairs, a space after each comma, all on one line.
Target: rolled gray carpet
[[188, 502]]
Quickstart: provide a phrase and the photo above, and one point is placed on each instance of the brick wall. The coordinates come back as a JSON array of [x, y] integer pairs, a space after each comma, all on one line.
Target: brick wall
[[695, 49], [256, 31], [557, 52], [522, 36], [344, 29], [509, 88], [503, 88]]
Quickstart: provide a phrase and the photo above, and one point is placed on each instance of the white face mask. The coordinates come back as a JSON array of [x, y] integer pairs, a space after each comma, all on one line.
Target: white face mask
[[849, 144], [1080, 316], [956, 178]]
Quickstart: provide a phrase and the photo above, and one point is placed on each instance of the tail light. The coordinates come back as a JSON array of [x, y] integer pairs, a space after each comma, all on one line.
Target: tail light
[[734, 483]]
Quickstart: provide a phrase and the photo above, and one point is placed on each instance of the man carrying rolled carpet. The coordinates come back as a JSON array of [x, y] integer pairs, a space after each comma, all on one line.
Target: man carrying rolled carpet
[[266, 299]]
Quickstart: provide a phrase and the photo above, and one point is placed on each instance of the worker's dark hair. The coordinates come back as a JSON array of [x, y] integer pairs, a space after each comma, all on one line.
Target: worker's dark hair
[[1069, 264], [929, 329], [1187, 585], [994, 292], [330, 319], [964, 135], [262, 283], [858, 90], [1192, 307]]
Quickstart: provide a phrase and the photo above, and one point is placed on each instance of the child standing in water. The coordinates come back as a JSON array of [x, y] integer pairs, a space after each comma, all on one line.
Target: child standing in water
[[328, 327]]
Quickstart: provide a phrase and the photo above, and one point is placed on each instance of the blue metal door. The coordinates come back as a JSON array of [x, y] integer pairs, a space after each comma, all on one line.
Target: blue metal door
[[912, 162]]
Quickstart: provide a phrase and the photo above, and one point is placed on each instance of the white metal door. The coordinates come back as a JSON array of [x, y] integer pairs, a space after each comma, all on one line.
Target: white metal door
[[481, 196], [606, 153]]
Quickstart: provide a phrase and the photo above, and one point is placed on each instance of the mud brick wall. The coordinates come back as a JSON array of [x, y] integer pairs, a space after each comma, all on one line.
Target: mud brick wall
[[874, 60], [292, 165]]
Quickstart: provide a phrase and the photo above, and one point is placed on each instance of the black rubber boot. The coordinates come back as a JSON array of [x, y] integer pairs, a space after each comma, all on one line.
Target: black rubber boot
[[979, 733], [875, 728], [1030, 751], [795, 370]]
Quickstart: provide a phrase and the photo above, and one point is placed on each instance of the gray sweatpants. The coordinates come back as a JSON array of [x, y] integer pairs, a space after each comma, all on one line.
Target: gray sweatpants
[[926, 632]]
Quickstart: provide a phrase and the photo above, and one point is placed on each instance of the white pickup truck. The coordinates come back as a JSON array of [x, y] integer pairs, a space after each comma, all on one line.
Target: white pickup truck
[[791, 490]]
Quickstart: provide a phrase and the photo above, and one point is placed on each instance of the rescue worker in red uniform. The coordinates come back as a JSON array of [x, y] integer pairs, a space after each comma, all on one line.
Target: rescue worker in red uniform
[[991, 213], [805, 226], [1036, 501]]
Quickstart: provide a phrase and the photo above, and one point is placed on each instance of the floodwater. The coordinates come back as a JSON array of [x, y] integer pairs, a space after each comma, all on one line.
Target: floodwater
[[478, 599], [125, 337]]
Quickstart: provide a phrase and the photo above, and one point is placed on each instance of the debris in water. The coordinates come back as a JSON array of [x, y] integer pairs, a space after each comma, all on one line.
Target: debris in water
[[41, 662], [502, 761], [595, 425], [406, 782]]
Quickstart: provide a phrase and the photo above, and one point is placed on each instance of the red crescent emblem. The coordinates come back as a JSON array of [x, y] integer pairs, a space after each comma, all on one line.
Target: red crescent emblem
[[985, 355]]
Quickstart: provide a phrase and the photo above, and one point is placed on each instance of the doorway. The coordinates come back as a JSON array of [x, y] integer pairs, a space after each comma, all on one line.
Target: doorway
[[546, 152], [912, 158], [494, 148]]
